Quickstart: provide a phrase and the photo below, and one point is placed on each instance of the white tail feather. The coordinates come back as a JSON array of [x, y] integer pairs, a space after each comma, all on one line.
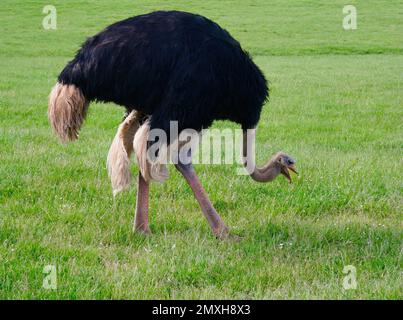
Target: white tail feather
[[67, 110], [157, 170], [118, 161]]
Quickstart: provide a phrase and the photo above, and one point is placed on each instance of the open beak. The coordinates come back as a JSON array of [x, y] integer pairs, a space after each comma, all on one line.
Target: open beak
[[292, 168], [286, 173]]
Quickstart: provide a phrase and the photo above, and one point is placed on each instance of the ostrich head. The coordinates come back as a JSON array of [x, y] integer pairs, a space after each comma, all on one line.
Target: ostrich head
[[280, 163], [285, 164]]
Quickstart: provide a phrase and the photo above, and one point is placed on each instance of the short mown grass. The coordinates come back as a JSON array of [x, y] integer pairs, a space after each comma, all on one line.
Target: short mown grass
[[336, 106]]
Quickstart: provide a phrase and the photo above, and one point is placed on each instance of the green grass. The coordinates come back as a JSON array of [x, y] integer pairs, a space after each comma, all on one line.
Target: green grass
[[336, 106]]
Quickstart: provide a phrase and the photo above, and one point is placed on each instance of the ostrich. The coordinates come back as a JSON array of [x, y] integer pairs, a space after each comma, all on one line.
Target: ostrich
[[164, 66]]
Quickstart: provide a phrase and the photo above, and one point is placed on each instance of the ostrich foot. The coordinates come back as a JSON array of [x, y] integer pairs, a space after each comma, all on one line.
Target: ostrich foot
[[223, 233], [226, 235], [143, 230], [234, 237]]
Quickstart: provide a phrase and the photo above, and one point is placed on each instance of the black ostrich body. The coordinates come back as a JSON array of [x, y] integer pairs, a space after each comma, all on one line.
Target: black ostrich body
[[171, 65]]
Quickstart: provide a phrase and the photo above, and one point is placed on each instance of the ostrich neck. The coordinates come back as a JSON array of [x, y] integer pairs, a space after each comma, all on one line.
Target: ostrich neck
[[266, 173]]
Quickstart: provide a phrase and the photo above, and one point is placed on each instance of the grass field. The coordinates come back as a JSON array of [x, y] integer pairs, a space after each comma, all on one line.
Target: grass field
[[336, 105]]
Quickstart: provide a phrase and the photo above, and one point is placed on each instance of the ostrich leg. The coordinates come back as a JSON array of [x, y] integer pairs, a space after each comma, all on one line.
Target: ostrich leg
[[141, 219], [217, 225]]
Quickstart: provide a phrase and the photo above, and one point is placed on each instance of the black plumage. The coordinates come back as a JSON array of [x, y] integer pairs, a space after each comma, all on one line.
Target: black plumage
[[170, 65]]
